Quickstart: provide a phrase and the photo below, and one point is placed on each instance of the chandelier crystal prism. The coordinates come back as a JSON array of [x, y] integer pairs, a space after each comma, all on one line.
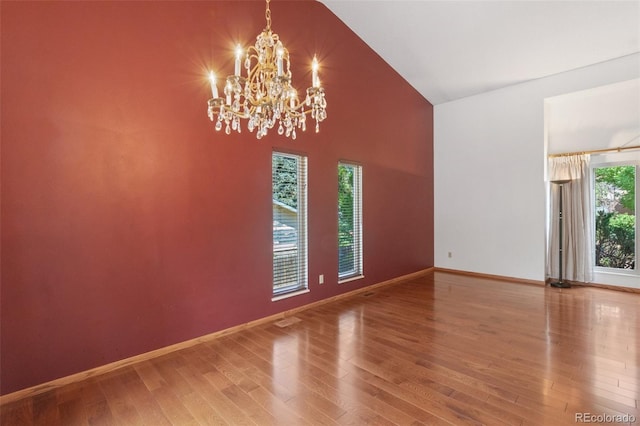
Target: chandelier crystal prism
[[265, 96]]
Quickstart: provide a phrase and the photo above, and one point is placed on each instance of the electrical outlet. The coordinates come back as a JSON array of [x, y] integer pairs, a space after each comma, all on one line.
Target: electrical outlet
[[321, 279], [450, 255]]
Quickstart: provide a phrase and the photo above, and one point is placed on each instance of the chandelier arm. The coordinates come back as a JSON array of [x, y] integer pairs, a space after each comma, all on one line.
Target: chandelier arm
[[253, 87], [240, 114], [285, 58]]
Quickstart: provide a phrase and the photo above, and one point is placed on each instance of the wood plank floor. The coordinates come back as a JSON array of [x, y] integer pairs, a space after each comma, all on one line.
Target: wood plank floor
[[438, 350]]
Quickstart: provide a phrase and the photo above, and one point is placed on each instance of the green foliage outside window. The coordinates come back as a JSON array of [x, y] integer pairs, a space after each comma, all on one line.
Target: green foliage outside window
[[285, 180], [346, 238], [615, 240], [615, 217], [345, 206]]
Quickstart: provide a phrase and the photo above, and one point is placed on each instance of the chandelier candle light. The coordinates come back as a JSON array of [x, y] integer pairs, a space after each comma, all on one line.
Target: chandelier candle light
[[265, 96]]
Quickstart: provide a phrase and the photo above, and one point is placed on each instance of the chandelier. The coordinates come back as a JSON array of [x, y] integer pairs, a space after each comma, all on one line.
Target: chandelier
[[265, 96]]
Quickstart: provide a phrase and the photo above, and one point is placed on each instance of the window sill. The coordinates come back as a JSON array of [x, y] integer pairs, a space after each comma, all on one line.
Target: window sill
[[613, 271], [616, 279], [288, 295], [349, 279]]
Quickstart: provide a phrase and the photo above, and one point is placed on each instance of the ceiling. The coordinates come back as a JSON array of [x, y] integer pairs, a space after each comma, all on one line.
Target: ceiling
[[598, 118], [452, 49]]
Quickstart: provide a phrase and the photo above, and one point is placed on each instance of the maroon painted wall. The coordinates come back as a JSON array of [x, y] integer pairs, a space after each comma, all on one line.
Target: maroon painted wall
[[129, 224]]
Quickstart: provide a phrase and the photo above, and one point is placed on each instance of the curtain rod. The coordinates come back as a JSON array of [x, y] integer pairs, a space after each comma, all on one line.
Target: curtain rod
[[595, 151]]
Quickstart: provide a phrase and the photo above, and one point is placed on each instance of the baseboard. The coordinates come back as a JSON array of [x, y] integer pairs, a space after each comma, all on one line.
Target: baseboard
[[57, 383], [491, 276], [537, 282], [602, 286]]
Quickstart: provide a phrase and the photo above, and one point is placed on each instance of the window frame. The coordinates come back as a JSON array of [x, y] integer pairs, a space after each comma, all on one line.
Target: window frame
[[302, 258], [604, 162], [358, 270]]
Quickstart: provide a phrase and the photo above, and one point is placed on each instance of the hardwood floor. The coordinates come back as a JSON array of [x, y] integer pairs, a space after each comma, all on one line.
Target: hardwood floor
[[441, 349]]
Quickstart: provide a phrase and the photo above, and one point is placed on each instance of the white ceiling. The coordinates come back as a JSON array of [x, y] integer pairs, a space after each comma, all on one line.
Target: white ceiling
[[452, 49]]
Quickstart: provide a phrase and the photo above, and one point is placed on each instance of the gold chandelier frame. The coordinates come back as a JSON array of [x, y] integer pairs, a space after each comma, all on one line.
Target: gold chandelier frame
[[266, 97]]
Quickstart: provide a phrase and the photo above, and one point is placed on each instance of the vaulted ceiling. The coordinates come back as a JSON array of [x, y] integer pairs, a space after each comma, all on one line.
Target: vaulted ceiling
[[453, 49]]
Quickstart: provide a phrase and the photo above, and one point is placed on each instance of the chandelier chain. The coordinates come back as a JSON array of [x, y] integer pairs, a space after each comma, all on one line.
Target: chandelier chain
[[267, 15]]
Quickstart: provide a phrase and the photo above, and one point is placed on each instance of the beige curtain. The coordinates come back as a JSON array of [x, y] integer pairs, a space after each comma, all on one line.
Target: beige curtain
[[577, 241]]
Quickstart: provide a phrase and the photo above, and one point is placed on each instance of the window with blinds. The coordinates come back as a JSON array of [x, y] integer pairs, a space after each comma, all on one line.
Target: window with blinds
[[289, 190], [349, 221]]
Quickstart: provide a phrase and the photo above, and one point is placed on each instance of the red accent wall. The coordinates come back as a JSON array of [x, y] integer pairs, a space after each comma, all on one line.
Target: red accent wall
[[129, 224]]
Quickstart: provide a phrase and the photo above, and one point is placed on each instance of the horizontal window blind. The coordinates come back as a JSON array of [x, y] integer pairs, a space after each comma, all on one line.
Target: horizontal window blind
[[289, 190], [349, 220]]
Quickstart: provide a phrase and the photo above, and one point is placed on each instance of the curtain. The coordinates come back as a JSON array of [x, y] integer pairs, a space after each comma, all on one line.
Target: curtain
[[577, 241]]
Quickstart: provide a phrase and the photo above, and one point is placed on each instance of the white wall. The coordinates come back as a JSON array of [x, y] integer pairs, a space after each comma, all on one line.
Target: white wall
[[600, 118], [489, 172]]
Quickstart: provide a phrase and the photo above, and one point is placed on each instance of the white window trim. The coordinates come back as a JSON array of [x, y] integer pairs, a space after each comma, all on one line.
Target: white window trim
[[351, 278], [290, 294], [614, 276], [303, 239], [358, 272]]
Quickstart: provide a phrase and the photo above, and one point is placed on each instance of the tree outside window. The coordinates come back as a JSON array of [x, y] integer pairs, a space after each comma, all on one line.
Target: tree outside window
[[349, 220], [615, 217]]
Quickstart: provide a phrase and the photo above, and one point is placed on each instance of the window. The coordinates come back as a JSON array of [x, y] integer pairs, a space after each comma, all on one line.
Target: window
[[289, 190], [616, 216], [349, 221]]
